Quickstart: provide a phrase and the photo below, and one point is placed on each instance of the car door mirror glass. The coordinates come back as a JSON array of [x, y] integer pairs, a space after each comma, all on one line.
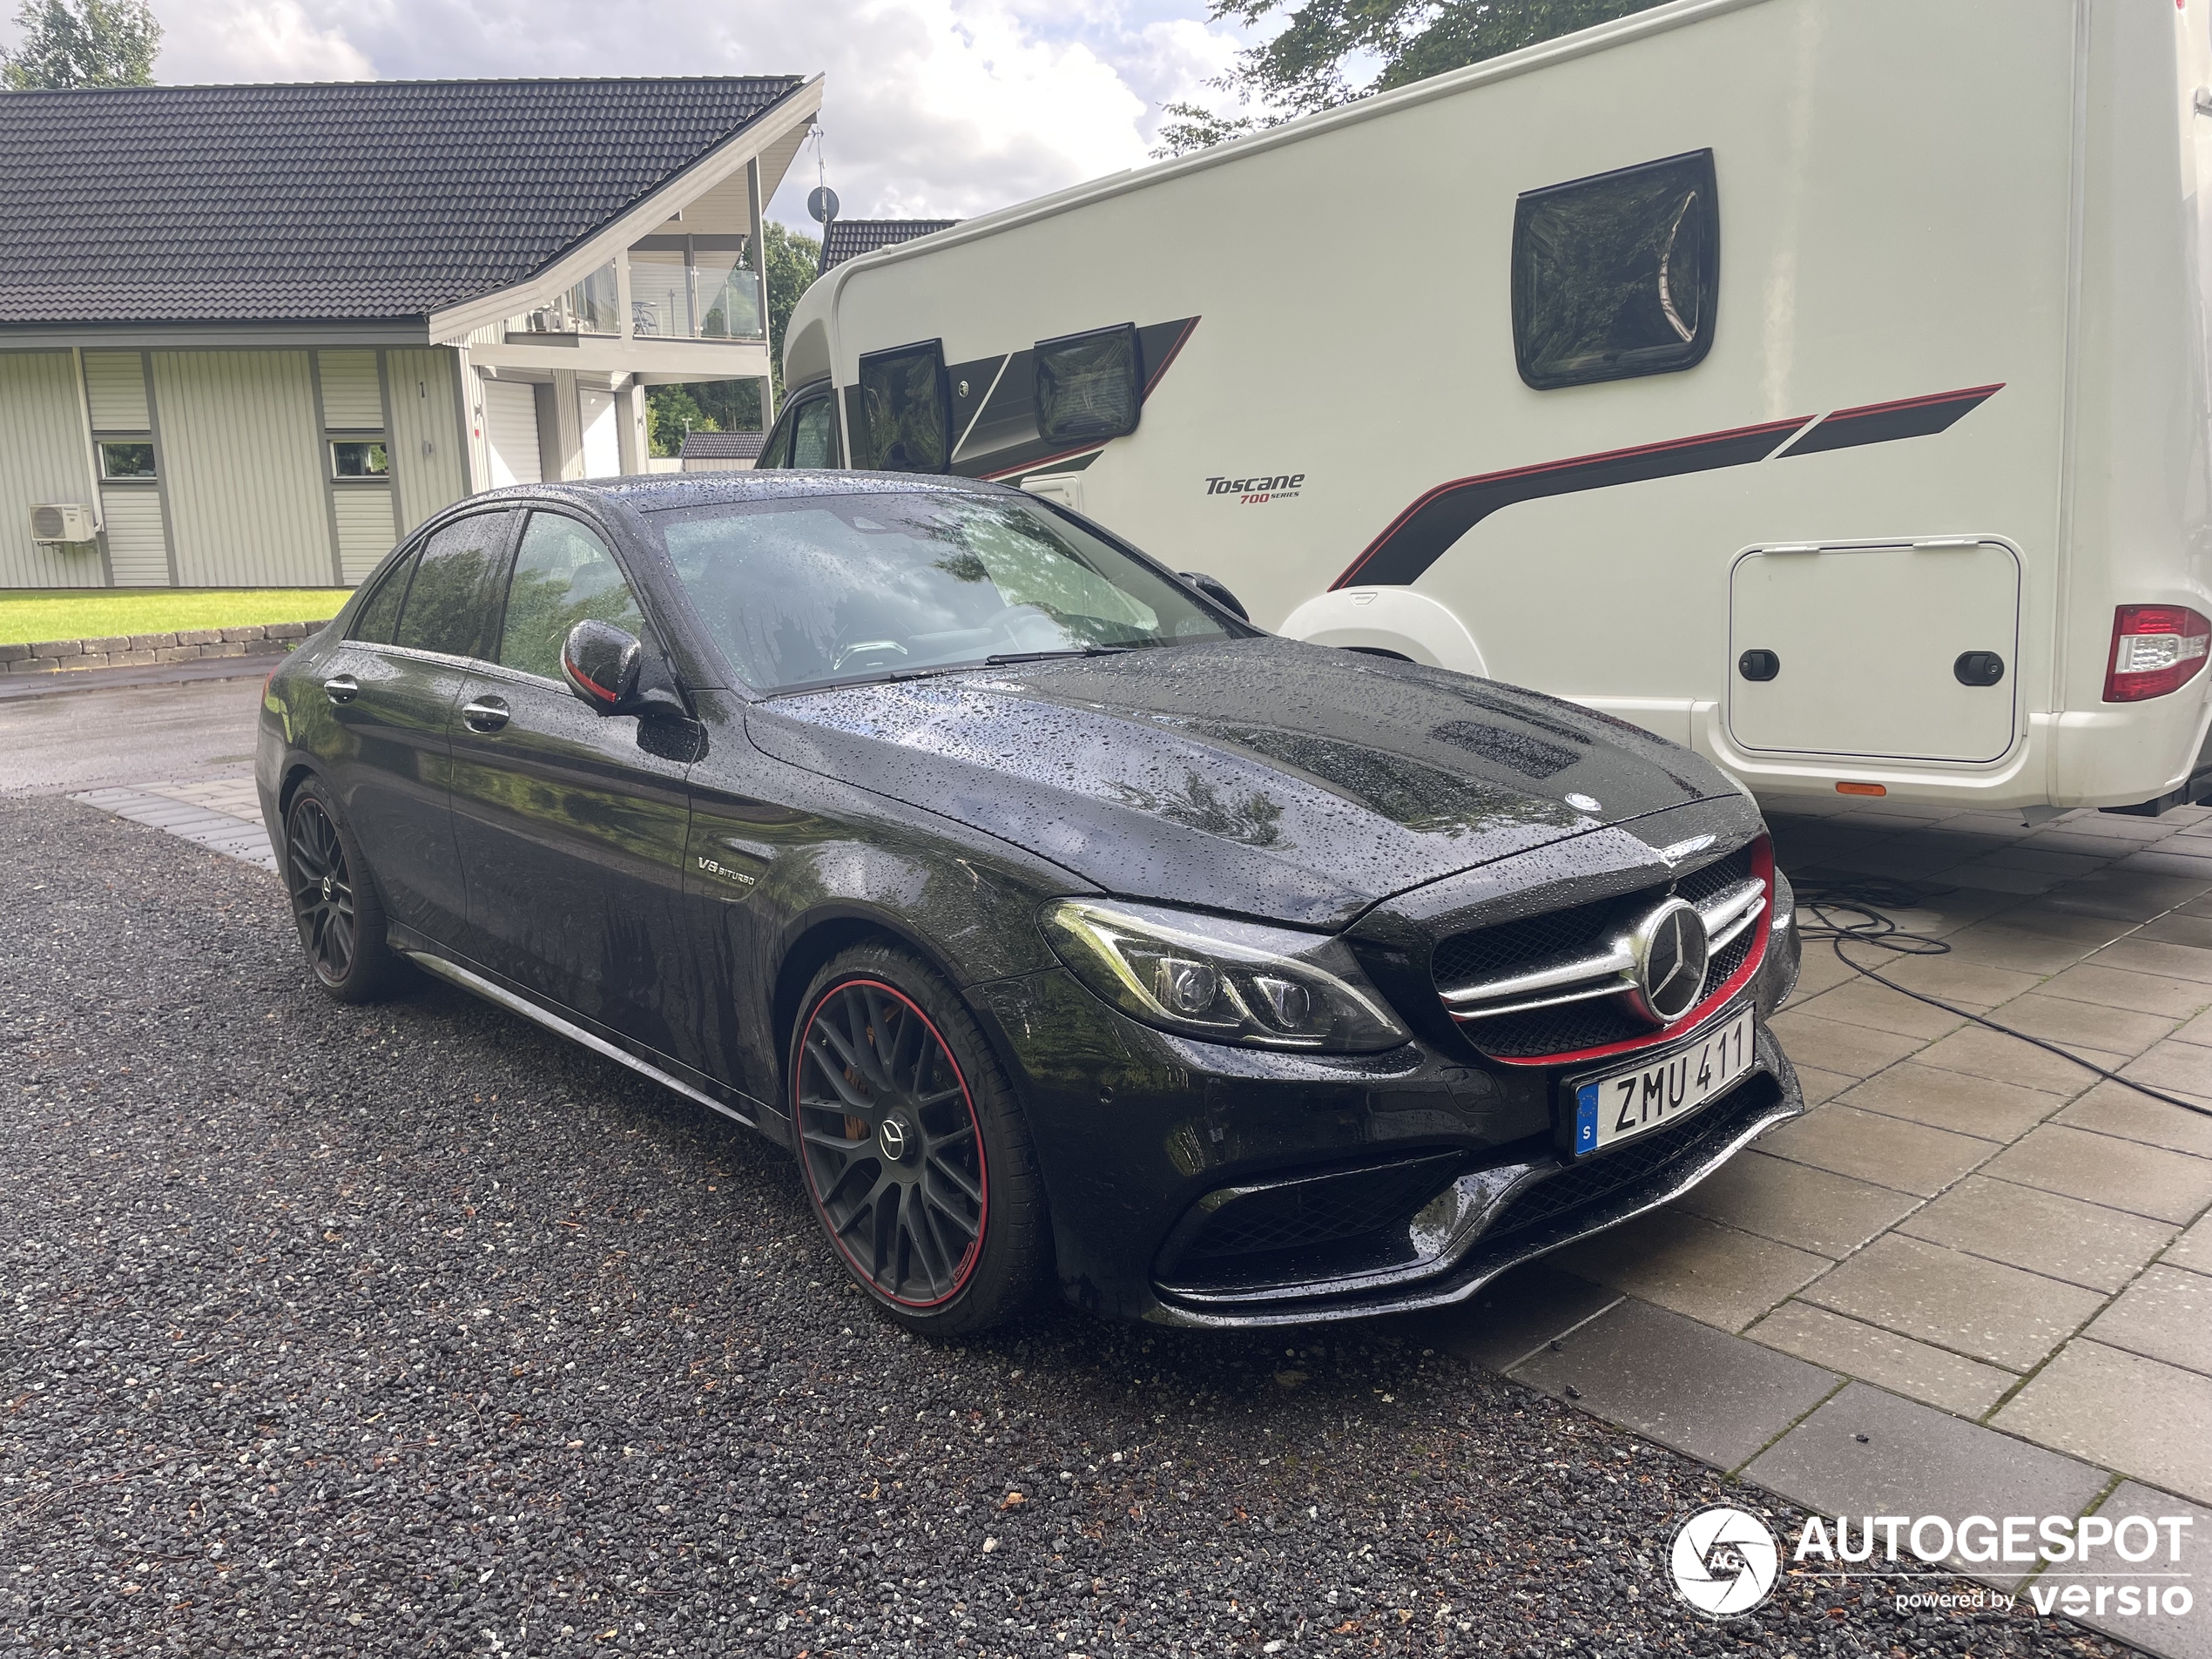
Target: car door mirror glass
[[600, 663]]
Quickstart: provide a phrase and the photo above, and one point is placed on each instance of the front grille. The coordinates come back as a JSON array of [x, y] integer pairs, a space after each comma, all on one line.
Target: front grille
[[1300, 1214], [1537, 941]]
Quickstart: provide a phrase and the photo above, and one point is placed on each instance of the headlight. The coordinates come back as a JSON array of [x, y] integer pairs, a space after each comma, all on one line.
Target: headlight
[[1227, 982]]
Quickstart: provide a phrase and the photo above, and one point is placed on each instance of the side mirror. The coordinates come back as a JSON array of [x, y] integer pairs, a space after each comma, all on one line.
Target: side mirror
[[600, 663], [1218, 590]]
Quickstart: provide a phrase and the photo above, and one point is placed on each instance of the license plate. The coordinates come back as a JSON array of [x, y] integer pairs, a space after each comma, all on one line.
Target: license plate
[[1610, 1109]]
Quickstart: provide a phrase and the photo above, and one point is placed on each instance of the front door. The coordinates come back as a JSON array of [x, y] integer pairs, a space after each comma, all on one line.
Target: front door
[[571, 833]]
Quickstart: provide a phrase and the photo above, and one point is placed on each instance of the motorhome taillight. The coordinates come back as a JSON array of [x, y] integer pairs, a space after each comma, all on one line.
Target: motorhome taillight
[[2156, 649]]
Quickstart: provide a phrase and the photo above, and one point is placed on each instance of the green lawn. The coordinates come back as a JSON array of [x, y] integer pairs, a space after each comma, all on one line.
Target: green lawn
[[27, 615]]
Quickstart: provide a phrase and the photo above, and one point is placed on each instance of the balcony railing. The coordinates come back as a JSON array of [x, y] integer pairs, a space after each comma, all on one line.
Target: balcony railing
[[694, 288]]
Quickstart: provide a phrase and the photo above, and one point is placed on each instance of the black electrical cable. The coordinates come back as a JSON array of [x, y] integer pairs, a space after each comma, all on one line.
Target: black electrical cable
[[1826, 902]]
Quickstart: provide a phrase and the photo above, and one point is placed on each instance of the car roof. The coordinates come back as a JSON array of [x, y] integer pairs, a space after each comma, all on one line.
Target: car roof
[[661, 492]]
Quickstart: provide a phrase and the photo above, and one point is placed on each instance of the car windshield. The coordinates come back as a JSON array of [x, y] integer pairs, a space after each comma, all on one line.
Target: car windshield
[[818, 590]]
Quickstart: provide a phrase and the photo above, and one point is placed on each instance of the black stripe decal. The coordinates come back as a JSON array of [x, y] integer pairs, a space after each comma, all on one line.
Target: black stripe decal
[[1912, 417], [1001, 441], [1425, 531], [1422, 534]]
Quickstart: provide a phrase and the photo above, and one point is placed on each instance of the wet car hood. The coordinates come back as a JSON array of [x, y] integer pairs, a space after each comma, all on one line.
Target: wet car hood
[[1263, 777]]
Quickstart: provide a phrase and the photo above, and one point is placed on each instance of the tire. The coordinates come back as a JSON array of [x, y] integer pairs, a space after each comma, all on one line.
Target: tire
[[917, 1160], [335, 901]]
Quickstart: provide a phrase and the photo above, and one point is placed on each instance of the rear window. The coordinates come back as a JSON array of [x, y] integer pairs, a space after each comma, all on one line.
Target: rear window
[[448, 602], [818, 590], [379, 617], [1616, 275]]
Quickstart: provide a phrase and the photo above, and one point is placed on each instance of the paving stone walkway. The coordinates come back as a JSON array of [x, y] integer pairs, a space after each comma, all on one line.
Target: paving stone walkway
[[223, 814]]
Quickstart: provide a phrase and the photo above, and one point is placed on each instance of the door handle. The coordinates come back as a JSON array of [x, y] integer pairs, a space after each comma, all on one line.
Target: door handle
[[341, 688], [485, 713]]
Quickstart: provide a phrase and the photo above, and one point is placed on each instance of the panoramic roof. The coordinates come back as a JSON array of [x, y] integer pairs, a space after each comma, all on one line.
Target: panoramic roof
[[356, 201]]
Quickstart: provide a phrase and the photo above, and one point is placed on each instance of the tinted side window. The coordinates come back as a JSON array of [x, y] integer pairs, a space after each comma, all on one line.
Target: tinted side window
[[1618, 274], [563, 574], [447, 603], [1089, 385], [906, 410], [775, 449], [813, 434], [379, 619]]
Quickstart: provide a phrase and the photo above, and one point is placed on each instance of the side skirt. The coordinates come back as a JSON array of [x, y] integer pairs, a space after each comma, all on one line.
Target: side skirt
[[553, 1022]]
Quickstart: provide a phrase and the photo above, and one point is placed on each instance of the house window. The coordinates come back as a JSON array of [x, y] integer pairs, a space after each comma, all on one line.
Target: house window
[[128, 458], [1616, 275], [359, 458], [1089, 385], [693, 287], [906, 410]]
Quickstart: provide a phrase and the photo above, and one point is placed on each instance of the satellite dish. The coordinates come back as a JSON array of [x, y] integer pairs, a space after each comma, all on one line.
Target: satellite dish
[[821, 204]]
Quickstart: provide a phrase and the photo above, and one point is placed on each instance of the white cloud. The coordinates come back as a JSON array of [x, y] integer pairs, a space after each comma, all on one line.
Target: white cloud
[[256, 40], [934, 108]]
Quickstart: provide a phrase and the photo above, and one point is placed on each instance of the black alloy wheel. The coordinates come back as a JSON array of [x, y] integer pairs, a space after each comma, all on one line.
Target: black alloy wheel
[[322, 891], [903, 1125], [334, 900]]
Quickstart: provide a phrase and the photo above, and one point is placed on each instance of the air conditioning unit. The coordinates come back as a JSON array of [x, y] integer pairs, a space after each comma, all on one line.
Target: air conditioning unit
[[64, 522]]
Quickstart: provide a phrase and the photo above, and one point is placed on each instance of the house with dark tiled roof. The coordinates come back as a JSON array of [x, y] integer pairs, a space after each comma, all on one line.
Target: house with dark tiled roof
[[252, 335], [721, 451], [848, 238]]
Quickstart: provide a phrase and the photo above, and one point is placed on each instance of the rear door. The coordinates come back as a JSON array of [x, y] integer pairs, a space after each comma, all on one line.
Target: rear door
[[392, 687], [571, 830], [1904, 651]]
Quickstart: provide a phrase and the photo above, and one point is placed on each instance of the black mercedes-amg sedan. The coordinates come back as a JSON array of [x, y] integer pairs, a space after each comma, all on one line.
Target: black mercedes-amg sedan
[[1067, 928]]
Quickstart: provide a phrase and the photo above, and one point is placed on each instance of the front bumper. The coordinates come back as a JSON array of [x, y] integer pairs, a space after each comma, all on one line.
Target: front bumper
[[1194, 1184]]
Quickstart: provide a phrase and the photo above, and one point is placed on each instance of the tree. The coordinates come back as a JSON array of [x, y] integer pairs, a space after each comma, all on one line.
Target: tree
[[794, 259], [1301, 69], [81, 43]]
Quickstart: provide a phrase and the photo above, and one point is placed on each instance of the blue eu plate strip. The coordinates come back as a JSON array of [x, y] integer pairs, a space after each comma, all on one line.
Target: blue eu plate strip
[[1586, 1119]]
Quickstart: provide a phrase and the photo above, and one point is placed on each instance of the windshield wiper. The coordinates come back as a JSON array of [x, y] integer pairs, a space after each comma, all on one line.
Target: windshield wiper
[[1008, 657]]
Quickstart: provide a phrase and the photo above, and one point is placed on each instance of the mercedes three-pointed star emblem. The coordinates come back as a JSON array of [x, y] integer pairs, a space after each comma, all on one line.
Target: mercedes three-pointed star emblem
[[1671, 956]]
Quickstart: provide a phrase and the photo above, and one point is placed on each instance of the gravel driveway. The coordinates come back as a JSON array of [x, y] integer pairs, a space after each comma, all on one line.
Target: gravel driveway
[[410, 1329]]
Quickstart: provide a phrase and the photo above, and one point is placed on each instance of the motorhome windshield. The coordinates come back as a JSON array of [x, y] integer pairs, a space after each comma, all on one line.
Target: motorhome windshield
[[819, 590]]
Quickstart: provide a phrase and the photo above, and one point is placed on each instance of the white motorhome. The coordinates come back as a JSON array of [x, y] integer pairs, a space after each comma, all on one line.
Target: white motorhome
[[1821, 384]]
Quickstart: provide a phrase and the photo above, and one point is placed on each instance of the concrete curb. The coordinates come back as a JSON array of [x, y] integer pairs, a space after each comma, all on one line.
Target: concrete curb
[[137, 651]]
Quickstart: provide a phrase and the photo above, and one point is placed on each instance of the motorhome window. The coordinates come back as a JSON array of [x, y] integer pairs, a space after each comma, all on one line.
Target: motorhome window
[[1089, 385], [813, 434], [1616, 275], [906, 410]]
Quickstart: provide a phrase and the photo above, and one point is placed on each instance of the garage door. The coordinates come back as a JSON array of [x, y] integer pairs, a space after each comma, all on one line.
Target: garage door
[[1907, 651], [602, 444], [511, 432]]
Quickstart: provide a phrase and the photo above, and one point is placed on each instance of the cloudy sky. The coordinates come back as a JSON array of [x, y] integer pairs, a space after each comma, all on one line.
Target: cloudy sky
[[935, 108]]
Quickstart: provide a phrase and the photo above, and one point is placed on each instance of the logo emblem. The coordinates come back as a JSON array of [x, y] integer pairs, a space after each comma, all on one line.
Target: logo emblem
[[329, 886], [1724, 1561], [893, 1136], [1671, 954]]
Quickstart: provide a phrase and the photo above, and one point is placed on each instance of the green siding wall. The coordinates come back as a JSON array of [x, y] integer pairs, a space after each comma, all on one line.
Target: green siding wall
[[41, 459], [242, 456], [428, 464]]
